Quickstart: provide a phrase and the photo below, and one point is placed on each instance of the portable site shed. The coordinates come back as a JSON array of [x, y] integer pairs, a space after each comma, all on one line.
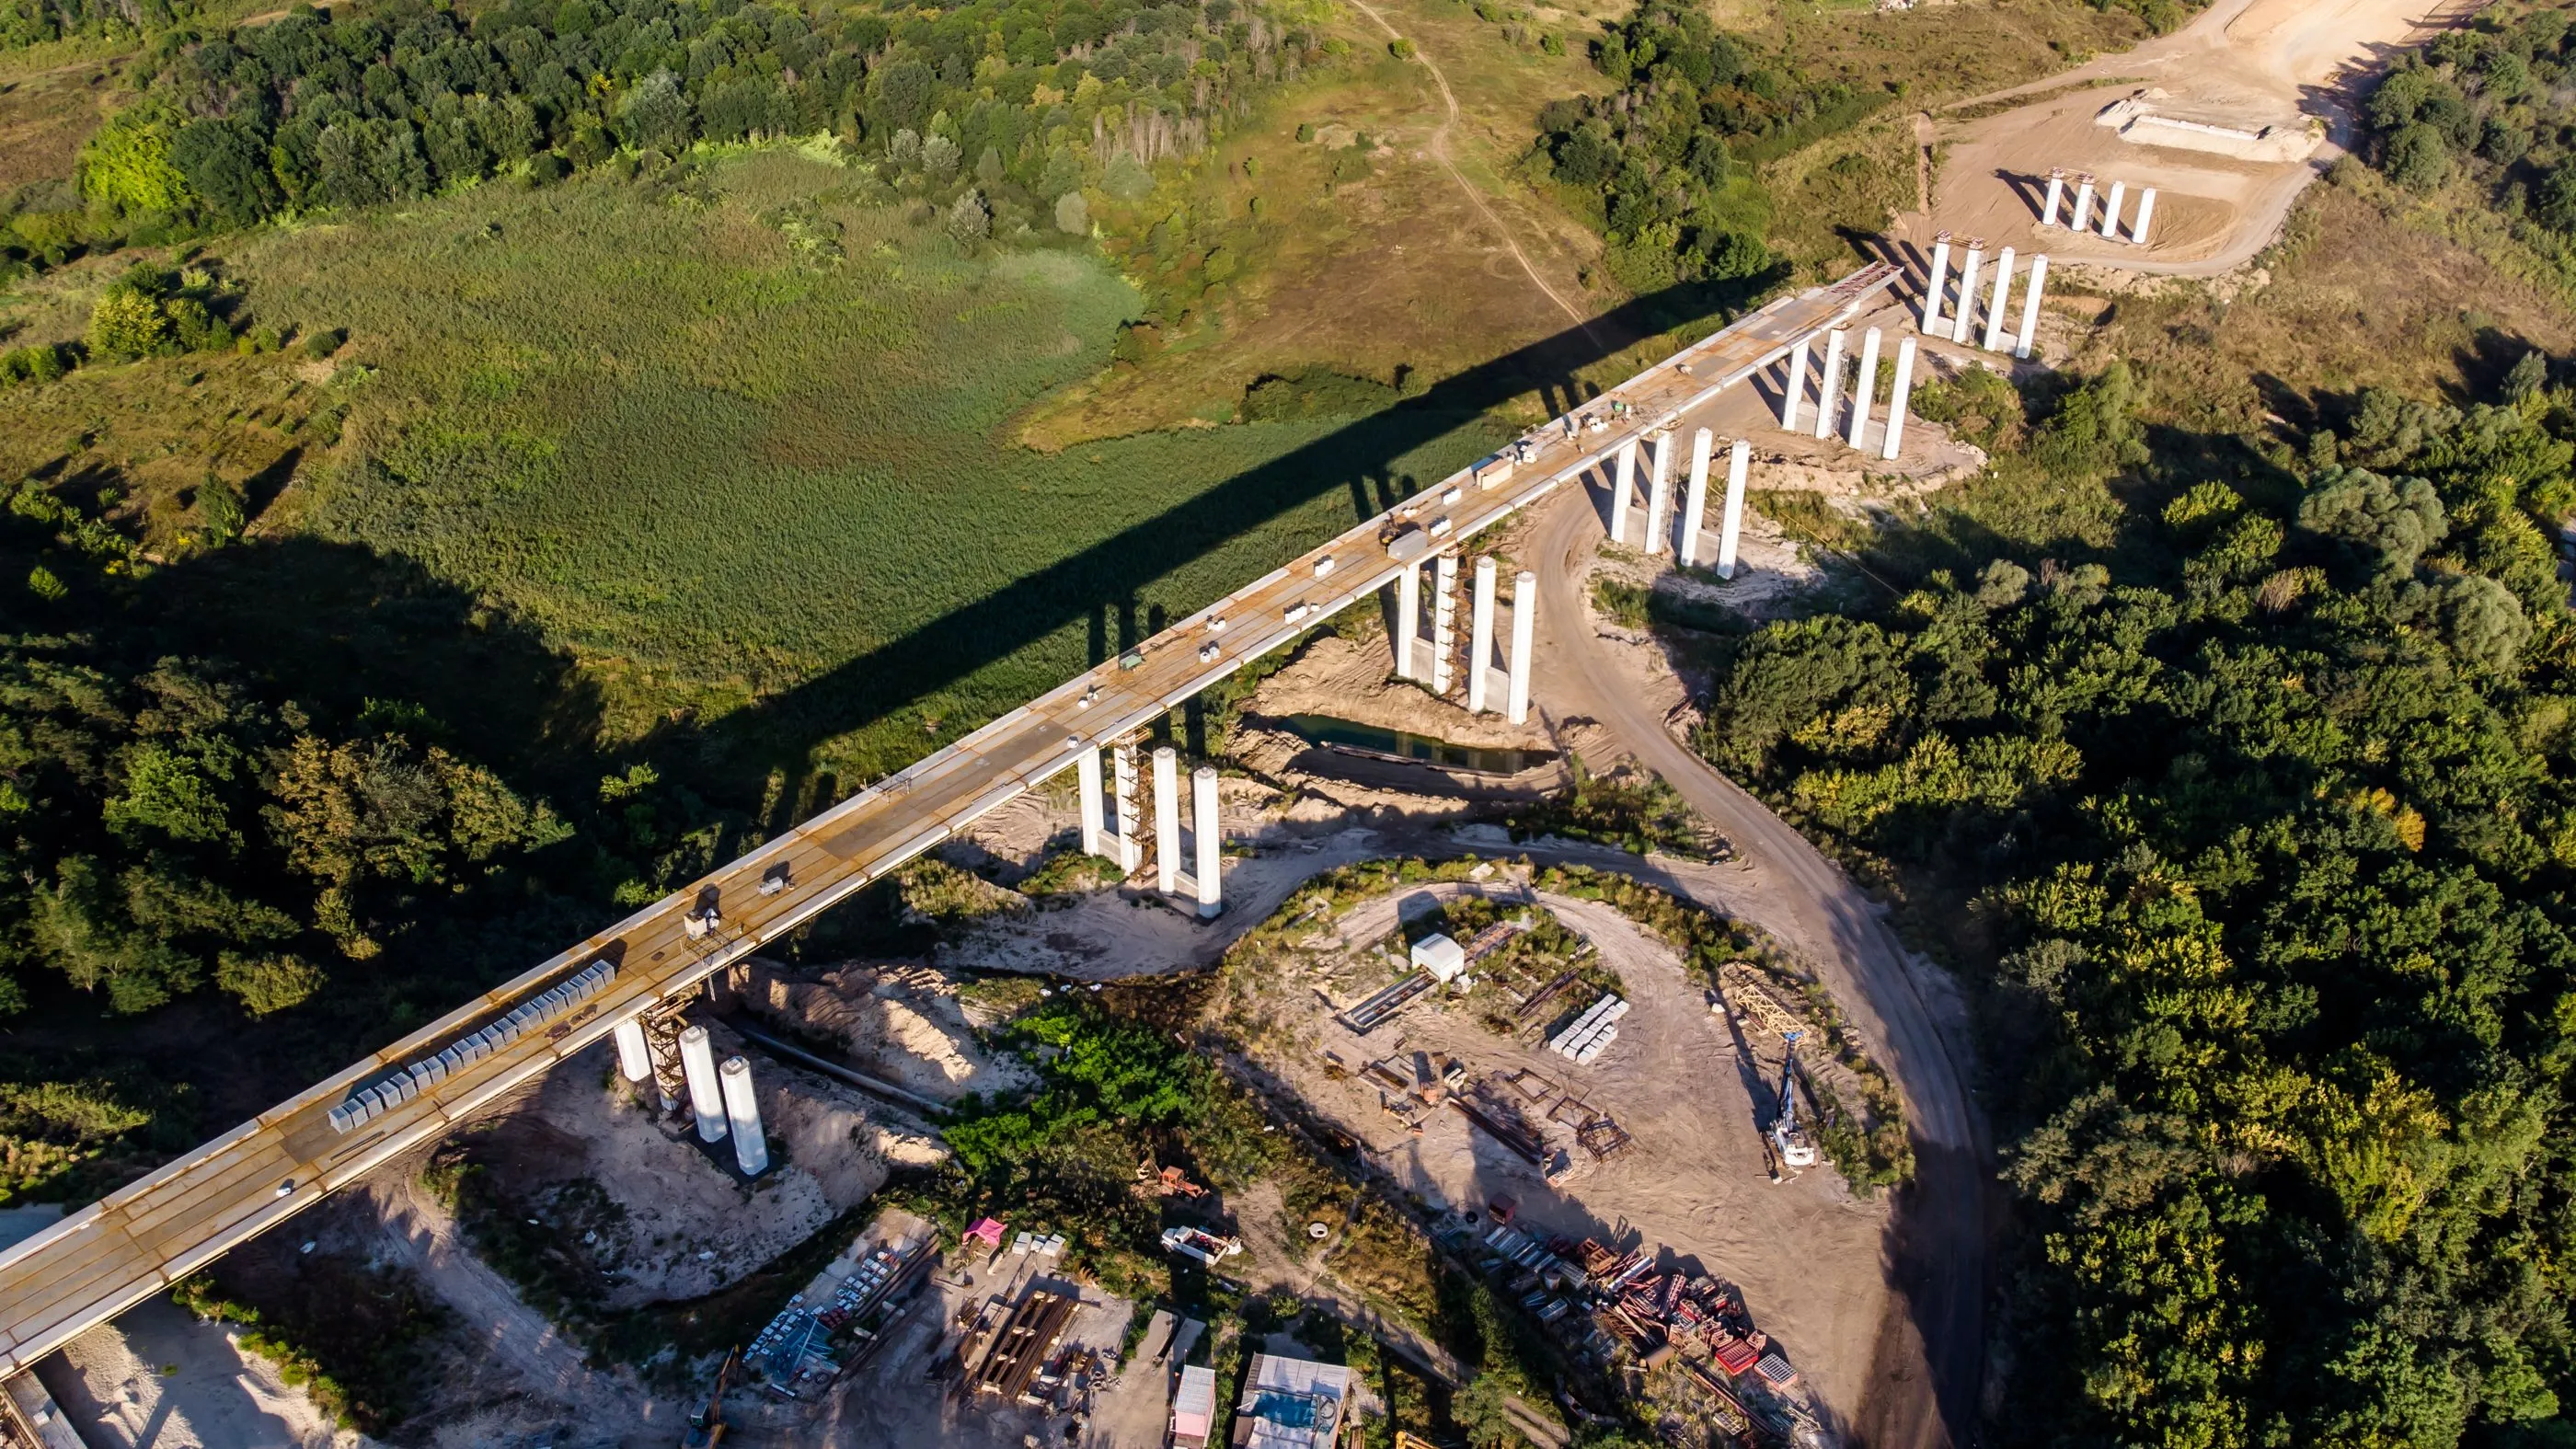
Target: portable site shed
[[1194, 1409], [1440, 956]]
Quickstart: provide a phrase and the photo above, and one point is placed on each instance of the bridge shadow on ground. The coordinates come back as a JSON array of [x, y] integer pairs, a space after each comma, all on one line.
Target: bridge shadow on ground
[[787, 731]]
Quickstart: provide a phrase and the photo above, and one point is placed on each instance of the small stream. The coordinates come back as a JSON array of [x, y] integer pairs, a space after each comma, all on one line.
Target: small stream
[[1392, 744]]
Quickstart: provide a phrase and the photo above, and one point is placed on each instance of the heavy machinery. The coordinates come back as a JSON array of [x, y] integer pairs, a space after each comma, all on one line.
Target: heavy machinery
[[1789, 1136], [707, 1425]]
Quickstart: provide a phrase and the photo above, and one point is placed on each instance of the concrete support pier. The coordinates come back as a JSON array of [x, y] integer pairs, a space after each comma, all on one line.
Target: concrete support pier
[[1211, 840], [1480, 635], [1967, 292], [1408, 619], [2083, 201], [706, 1098], [1794, 392], [742, 1114], [1829, 384], [1996, 309], [634, 1058], [1444, 623], [1659, 493], [1932, 299], [2030, 305], [2111, 210], [1524, 625], [1731, 530], [1167, 819], [1131, 808], [1900, 392], [2056, 189], [1864, 383], [1086, 776], [1623, 481], [2146, 213], [1695, 502]]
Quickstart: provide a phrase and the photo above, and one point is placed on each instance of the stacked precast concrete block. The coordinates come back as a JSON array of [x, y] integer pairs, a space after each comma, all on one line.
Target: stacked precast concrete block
[[374, 1099]]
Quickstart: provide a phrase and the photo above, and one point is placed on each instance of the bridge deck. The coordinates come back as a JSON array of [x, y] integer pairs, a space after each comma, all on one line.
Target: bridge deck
[[104, 1259]]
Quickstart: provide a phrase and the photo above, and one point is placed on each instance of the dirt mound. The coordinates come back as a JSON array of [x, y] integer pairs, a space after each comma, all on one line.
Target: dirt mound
[[902, 1023], [661, 1215]]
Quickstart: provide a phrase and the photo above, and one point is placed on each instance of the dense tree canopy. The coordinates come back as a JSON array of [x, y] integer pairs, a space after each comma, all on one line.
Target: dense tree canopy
[[1024, 101], [1660, 150], [2264, 821]]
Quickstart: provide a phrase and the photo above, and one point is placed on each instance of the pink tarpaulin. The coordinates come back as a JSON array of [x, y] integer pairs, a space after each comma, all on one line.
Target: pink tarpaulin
[[989, 1229]]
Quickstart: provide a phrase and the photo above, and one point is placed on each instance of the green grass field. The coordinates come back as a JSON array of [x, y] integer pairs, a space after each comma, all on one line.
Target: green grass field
[[745, 478]]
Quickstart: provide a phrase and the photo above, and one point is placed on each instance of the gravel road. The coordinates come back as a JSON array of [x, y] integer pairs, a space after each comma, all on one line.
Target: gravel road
[[1937, 1258]]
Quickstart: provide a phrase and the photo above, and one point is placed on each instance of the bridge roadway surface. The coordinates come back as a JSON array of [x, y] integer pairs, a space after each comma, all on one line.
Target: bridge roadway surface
[[96, 1263]]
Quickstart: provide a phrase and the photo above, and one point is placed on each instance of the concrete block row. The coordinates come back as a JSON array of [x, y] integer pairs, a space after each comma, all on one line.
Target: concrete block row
[[376, 1098]]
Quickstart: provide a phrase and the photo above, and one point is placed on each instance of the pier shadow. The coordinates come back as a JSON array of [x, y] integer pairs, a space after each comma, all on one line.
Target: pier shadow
[[2030, 191]]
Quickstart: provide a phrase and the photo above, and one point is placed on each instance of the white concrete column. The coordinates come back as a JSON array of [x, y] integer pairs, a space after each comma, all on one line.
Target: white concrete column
[[2146, 213], [1623, 479], [1211, 840], [1167, 819], [1695, 502], [1967, 292], [2111, 210], [1829, 384], [634, 1060], [1996, 312], [2030, 304], [1732, 528], [1864, 383], [1932, 299], [1408, 618], [1480, 635], [1524, 624], [1131, 810], [1659, 492], [2083, 201], [742, 1113], [2056, 189], [1795, 391], [1086, 778], [1444, 622], [1900, 391], [706, 1099]]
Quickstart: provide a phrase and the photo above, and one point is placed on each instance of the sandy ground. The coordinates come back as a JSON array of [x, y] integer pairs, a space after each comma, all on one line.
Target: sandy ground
[[901, 1023], [1695, 1183], [157, 1378], [690, 1224], [1923, 1387], [2247, 65]]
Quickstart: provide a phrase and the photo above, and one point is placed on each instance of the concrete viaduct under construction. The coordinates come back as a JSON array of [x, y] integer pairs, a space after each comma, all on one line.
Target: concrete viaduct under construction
[[95, 1263]]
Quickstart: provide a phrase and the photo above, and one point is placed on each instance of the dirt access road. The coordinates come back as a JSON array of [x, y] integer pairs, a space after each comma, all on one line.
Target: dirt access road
[[1935, 1259], [2244, 65]]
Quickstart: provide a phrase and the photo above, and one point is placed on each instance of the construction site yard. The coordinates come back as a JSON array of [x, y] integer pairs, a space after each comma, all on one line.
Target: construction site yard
[[1656, 1145]]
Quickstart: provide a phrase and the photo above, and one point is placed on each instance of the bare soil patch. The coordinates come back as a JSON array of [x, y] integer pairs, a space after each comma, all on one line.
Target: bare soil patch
[[2283, 66], [1692, 1186], [157, 1378], [44, 118], [905, 1024], [660, 1215]]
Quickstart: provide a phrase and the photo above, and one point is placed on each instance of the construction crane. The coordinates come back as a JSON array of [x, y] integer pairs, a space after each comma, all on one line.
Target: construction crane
[[1796, 1145], [707, 1425]]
